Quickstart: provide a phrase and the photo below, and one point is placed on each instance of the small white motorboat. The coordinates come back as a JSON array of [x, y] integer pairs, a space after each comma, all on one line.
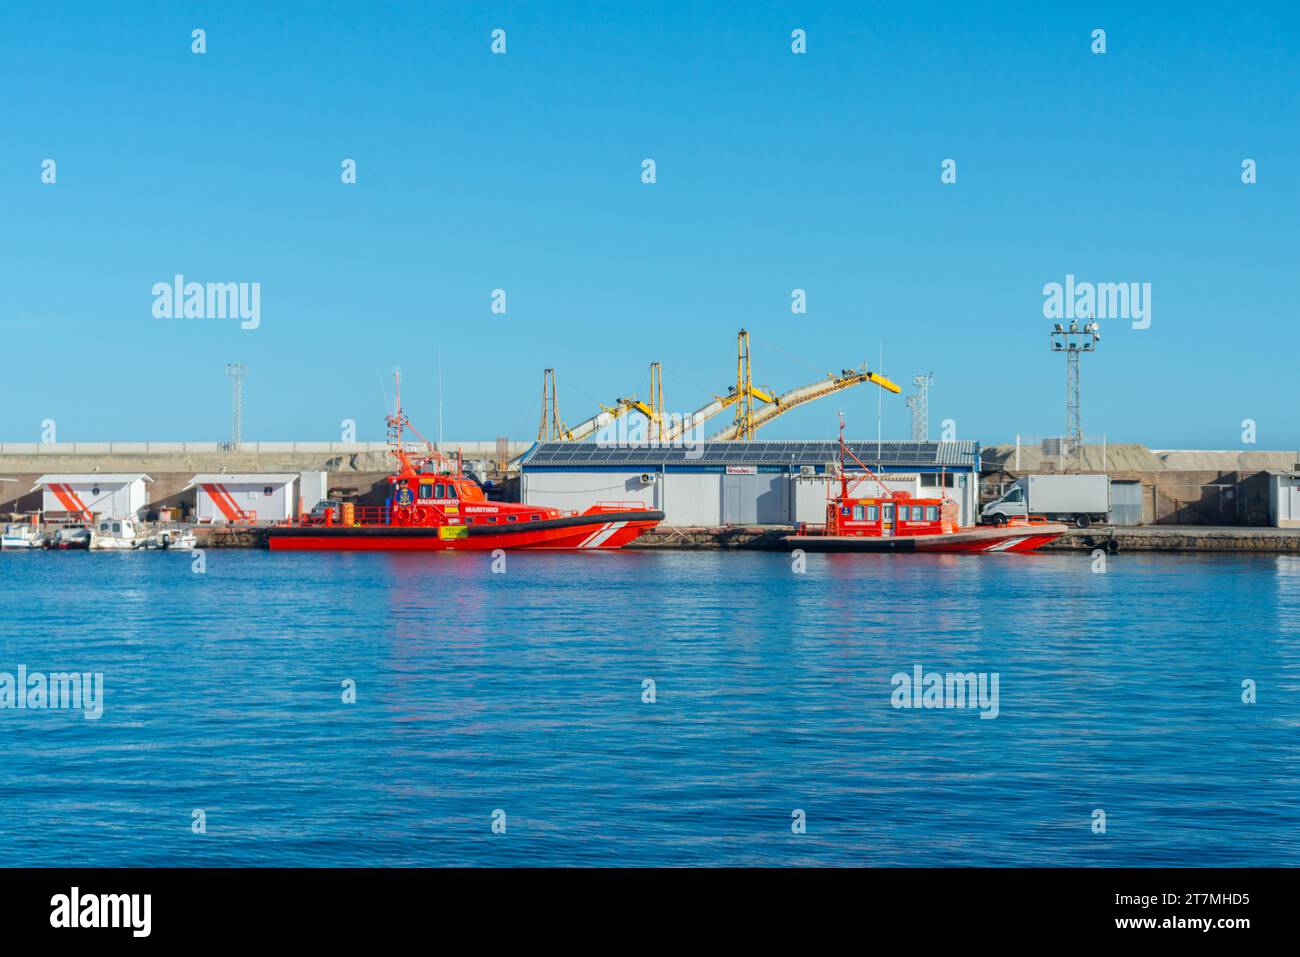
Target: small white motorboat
[[181, 539], [21, 535], [116, 534]]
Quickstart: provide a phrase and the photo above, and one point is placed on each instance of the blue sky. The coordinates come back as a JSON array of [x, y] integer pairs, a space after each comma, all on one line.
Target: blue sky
[[523, 172]]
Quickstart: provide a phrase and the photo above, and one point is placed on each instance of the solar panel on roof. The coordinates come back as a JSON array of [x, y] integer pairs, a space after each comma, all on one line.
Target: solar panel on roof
[[885, 454]]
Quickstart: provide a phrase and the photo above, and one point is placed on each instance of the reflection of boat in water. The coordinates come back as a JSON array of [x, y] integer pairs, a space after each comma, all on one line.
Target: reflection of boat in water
[[71, 537], [21, 535], [895, 521], [432, 506], [170, 538]]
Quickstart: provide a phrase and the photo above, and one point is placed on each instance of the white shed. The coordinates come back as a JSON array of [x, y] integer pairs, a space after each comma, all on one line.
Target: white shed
[[244, 498], [1284, 499], [107, 494]]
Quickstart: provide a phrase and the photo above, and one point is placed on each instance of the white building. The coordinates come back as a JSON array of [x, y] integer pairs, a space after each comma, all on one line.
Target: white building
[[87, 494], [742, 483], [1284, 499], [222, 497]]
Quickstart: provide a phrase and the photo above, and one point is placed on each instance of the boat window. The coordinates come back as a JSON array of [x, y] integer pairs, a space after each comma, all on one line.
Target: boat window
[[426, 490], [512, 518], [534, 518], [451, 490], [931, 513], [117, 526], [492, 519], [438, 491], [859, 512], [871, 513]]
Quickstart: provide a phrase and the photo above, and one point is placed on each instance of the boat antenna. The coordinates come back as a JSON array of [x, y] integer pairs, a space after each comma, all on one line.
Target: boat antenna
[[844, 480], [880, 405]]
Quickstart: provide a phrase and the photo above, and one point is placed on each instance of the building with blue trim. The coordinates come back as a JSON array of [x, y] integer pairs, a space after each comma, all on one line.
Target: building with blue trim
[[712, 484]]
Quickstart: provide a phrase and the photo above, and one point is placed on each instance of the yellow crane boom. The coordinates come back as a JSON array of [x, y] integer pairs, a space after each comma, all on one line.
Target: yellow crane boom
[[755, 405], [797, 397]]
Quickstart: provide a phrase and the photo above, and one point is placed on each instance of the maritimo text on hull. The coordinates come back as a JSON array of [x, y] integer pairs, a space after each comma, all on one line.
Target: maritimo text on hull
[[433, 506]]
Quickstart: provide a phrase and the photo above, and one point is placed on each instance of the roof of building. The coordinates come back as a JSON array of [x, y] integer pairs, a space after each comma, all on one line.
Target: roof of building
[[890, 454], [243, 478], [77, 478]]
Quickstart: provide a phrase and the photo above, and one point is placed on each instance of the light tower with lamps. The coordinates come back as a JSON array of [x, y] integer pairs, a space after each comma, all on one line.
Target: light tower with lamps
[[920, 406], [1074, 340], [236, 371]]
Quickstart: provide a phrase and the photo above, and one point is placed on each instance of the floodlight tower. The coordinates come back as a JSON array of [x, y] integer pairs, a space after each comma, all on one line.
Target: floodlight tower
[[920, 406], [1074, 341], [236, 371]]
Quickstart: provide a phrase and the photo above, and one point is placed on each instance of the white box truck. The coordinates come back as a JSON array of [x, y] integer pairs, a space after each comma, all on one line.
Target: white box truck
[[1081, 499]]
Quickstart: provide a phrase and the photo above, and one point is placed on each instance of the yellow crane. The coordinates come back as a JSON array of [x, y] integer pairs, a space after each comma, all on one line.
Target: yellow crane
[[749, 417], [755, 405], [554, 429]]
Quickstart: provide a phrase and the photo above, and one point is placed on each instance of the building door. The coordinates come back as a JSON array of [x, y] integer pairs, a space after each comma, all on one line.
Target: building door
[[761, 498], [731, 500], [771, 498], [1125, 503]]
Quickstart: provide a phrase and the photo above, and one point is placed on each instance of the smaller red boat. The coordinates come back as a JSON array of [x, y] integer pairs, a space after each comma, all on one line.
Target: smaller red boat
[[895, 521], [433, 506]]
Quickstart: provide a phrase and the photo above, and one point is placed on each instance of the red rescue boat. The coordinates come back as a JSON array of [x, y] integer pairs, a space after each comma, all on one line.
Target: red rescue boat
[[896, 521], [433, 506]]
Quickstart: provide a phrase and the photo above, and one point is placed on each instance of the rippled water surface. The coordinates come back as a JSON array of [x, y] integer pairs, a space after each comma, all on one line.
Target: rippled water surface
[[523, 692]]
